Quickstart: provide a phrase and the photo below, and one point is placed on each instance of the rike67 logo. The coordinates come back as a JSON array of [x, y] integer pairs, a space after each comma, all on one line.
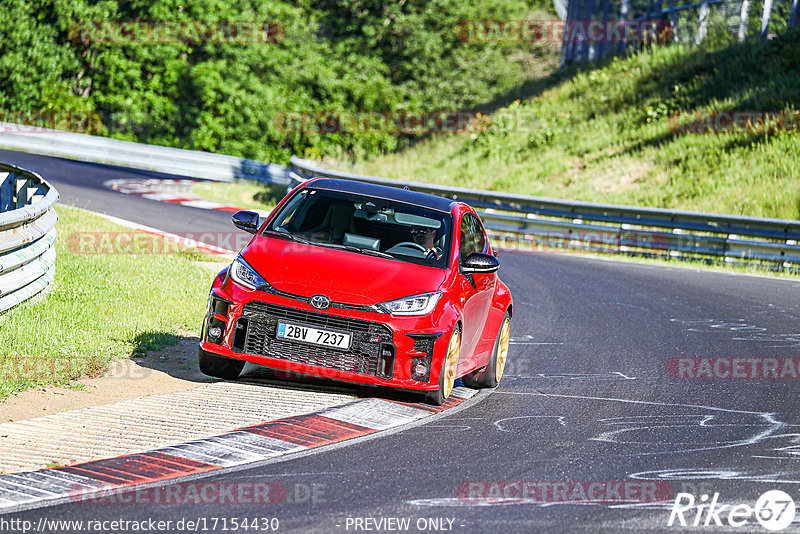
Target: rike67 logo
[[774, 510]]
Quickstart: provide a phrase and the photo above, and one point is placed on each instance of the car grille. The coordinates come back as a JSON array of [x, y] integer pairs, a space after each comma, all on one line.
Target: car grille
[[371, 351]]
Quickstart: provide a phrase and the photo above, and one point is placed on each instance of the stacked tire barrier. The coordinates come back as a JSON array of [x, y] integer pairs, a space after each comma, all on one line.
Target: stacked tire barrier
[[27, 235], [526, 221]]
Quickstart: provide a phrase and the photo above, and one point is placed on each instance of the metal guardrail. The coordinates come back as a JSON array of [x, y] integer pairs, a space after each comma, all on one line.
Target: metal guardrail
[[517, 219], [27, 233], [536, 221], [176, 161]]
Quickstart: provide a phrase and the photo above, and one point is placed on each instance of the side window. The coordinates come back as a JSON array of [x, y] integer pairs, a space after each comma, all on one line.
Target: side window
[[480, 235], [473, 238], [465, 241]]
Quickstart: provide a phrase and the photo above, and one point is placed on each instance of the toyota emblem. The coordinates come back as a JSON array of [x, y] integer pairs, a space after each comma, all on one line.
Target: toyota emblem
[[320, 302]]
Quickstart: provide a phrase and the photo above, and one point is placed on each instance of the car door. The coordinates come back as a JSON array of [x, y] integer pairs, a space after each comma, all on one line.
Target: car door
[[476, 289]]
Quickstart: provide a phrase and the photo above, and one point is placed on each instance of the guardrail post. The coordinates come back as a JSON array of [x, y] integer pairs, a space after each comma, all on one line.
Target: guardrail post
[[601, 47], [587, 46], [702, 23], [567, 46], [7, 182], [674, 21], [623, 15], [22, 191], [765, 16], [743, 19], [726, 247], [651, 12]]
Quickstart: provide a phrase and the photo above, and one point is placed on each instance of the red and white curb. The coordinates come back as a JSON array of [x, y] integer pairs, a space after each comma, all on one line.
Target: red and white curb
[[172, 191], [239, 447]]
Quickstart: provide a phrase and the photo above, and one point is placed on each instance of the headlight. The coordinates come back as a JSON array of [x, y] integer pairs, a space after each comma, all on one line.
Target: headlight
[[245, 275], [413, 305]]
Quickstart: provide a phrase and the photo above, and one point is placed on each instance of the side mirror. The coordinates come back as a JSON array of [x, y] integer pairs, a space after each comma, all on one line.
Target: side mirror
[[246, 220], [478, 262]]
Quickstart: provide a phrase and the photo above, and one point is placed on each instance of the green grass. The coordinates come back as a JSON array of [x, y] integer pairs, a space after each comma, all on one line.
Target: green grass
[[243, 195], [602, 134], [101, 307]]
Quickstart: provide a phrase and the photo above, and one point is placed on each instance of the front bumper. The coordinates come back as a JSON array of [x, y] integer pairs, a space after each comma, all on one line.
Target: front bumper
[[385, 349]]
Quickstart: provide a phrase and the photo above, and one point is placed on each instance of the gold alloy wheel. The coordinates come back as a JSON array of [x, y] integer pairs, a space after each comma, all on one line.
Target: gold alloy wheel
[[502, 349], [451, 363]]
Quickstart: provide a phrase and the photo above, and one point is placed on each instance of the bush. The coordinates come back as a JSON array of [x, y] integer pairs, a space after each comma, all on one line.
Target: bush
[[343, 55]]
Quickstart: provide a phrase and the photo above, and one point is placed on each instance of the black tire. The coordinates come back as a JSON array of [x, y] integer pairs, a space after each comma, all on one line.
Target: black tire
[[487, 377], [438, 396], [218, 366]]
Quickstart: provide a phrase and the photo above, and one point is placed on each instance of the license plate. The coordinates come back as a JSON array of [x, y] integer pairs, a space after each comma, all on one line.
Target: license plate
[[326, 338]]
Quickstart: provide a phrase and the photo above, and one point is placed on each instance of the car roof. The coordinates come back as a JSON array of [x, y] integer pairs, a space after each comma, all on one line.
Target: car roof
[[382, 191]]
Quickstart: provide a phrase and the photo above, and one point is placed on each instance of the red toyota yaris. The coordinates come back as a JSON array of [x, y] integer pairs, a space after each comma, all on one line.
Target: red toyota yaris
[[362, 283]]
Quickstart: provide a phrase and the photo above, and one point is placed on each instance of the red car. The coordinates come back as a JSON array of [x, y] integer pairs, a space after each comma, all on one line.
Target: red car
[[362, 283]]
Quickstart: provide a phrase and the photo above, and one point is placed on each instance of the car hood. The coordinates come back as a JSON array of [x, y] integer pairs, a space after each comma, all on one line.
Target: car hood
[[343, 276]]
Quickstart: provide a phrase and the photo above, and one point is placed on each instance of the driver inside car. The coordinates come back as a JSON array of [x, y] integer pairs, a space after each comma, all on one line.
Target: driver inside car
[[426, 237]]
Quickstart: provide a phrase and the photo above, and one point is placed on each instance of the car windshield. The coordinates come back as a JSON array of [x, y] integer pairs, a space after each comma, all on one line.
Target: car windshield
[[365, 225]]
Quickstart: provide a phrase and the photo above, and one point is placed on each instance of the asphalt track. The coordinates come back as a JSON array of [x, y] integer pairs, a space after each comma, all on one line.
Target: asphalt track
[[586, 397], [81, 184]]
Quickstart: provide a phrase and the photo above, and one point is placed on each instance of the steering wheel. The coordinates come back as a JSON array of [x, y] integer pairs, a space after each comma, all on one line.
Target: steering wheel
[[411, 244], [434, 253]]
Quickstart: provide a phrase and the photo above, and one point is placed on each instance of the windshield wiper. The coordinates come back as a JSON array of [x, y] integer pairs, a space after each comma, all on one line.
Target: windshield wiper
[[353, 248], [350, 248], [371, 252], [288, 237]]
